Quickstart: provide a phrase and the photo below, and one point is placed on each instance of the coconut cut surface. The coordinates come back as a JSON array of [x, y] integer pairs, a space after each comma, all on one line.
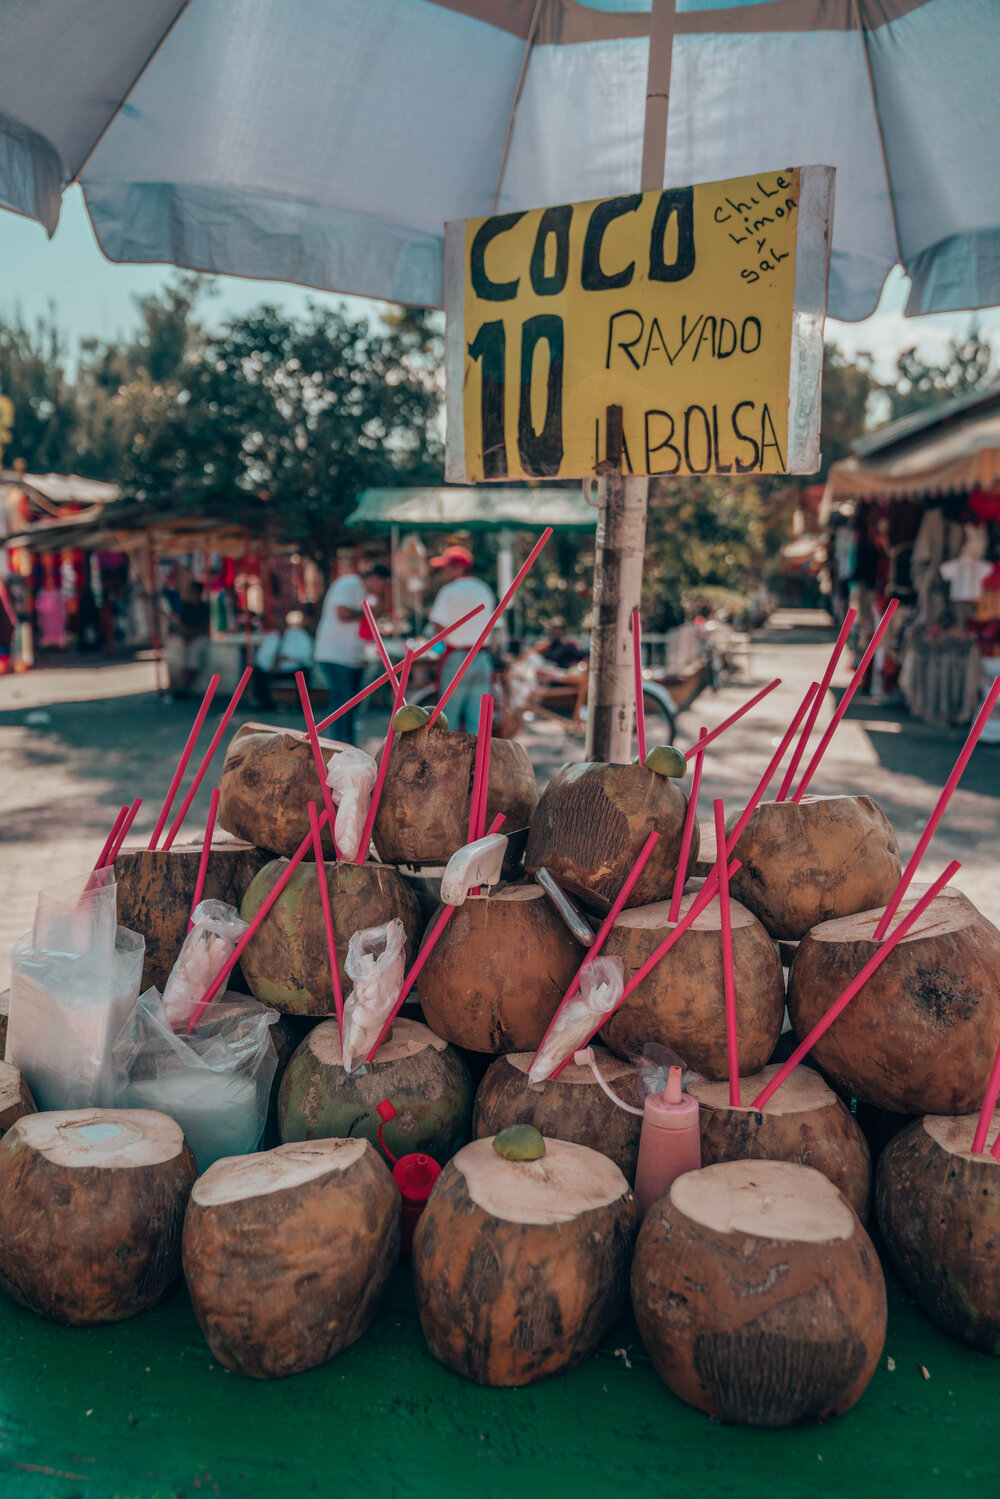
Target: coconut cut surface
[[609, 1066], [769, 1199], [409, 1038], [568, 1181], [955, 1133], [656, 916], [801, 1092], [109, 1138], [10, 1085], [283, 1169], [948, 912]]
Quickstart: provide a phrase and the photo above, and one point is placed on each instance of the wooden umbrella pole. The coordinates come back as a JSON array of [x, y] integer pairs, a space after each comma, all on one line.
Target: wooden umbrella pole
[[640, 710]]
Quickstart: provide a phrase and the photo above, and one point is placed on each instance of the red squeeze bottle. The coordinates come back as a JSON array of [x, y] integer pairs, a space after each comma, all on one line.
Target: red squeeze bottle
[[670, 1143], [414, 1176]]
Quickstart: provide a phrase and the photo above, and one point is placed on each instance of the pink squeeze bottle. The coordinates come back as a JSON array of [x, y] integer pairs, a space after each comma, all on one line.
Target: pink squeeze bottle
[[670, 1143]]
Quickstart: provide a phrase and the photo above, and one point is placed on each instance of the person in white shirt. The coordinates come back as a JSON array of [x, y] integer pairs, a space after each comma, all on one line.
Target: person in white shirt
[[280, 655], [459, 593], [340, 643]]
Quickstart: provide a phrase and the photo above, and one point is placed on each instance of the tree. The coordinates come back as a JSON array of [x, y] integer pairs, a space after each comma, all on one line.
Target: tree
[[917, 383], [33, 377]]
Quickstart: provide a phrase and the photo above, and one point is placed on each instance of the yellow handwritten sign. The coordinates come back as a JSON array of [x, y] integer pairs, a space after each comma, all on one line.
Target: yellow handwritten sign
[[679, 306]]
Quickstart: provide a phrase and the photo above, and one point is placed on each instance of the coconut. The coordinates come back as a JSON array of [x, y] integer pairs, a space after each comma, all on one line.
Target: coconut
[[824, 857], [681, 1003], [572, 1106], [590, 826], [520, 1266], [287, 1253], [424, 1079], [423, 812], [15, 1096], [287, 962], [921, 1034], [497, 973], [156, 888], [268, 780], [805, 1122], [938, 1208], [4, 1018], [708, 852], [758, 1294], [93, 1205]]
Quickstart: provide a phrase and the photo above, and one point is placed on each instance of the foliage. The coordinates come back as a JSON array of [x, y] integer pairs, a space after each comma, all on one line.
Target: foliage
[[968, 367]]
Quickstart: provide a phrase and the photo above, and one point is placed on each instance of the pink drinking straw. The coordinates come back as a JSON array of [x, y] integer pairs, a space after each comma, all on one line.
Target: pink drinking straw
[[431, 937], [986, 1112], [324, 900], [481, 793], [831, 667], [206, 760], [845, 701], [320, 763], [206, 849], [379, 642], [421, 650], [123, 832], [234, 957], [477, 774], [109, 840], [728, 980], [488, 627], [734, 717], [640, 710], [939, 810], [839, 1005], [366, 836], [680, 878], [168, 800], [701, 900]]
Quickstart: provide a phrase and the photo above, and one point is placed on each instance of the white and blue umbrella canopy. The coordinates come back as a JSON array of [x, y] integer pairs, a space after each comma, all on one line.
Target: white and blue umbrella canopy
[[327, 142]]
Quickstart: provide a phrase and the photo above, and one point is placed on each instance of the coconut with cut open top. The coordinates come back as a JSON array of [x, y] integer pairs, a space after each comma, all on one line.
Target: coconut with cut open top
[[156, 888], [758, 1294], [423, 1077], [268, 779], [287, 1253], [815, 860], [498, 971], [287, 962], [15, 1096], [93, 1204], [804, 1122], [920, 1035], [521, 1257], [572, 1106], [423, 812], [590, 826], [681, 1003], [938, 1207]]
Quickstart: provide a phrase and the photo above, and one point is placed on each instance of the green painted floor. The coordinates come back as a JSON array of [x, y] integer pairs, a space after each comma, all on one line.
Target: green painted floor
[[143, 1410]]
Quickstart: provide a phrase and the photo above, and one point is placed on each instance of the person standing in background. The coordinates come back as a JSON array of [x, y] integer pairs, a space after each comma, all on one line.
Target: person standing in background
[[340, 647], [460, 592]]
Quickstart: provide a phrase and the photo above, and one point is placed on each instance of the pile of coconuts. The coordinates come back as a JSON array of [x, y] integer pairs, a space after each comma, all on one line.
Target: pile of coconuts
[[530, 1242]]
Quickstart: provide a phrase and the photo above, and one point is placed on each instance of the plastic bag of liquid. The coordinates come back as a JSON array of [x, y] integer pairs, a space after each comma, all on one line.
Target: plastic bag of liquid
[[376, 962], [350, 775], [74, 982], [601, 985], [214, 1082], [206, 949]]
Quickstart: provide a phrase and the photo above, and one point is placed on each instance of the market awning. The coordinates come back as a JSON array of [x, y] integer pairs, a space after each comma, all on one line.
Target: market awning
[[453, 508], [120, 530], [952, 449]]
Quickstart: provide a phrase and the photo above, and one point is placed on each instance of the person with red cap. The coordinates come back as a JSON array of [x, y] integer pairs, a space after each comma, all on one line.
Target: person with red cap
[[460, 592]]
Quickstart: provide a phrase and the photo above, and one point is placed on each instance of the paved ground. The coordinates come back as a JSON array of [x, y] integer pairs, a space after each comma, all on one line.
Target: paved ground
[[77, 742]]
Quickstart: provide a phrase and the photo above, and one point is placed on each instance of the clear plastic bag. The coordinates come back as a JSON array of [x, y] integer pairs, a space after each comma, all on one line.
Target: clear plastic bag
[[350, 775], [74, 982], [601, 985], [214, 1082], [206, 949], [376, 962], [478, 863], [654, 1068]]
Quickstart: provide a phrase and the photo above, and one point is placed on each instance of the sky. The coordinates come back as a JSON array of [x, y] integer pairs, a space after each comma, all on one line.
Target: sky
[[93, 298]]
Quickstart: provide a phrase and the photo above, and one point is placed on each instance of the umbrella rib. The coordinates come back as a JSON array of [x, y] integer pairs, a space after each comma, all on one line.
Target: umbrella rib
[[863, 38], [182, 7], [528, 44]]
